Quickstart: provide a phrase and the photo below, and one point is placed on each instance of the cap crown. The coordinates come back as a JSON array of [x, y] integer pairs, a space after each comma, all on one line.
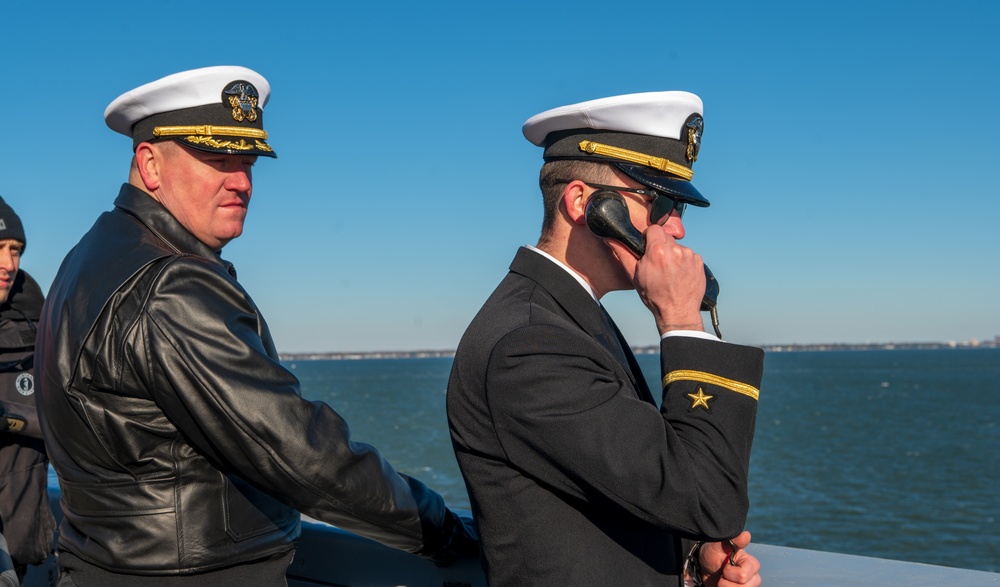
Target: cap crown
[[658, 114]]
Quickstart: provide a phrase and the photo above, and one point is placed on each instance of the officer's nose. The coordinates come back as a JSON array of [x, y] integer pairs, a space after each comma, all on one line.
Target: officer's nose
[[673, 225], [239, 181]]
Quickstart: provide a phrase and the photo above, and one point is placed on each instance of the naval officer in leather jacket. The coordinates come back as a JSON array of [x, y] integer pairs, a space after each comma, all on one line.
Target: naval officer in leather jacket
[[576, 474], [183, 448]]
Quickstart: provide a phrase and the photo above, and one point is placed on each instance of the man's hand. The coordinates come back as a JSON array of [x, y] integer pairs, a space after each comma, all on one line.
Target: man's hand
[[723, 566], [460, 540], [11, 422], [669, 278]]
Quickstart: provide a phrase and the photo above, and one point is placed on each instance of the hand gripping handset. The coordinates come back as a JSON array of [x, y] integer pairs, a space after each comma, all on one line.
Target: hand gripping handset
[[608, 217]]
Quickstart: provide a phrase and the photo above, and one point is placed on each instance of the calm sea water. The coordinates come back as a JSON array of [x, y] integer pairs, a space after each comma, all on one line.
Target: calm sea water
[[892, 454]]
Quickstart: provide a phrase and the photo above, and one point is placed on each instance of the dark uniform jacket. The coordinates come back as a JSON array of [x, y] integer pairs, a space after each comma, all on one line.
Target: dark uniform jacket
[[575, 476], [25, 516], [181, 443]]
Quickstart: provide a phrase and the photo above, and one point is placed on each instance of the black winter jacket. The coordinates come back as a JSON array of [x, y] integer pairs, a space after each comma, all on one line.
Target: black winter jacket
[[25, 517]]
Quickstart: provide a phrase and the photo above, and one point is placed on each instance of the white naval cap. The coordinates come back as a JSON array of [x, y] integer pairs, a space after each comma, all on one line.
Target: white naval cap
[[217, 109], [653, 137]]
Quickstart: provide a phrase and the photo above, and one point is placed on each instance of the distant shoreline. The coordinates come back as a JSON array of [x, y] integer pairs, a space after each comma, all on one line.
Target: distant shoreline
[[644, 350]]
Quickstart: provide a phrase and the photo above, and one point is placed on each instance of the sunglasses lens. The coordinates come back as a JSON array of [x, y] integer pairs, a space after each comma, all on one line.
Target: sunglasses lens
[[663, 206]]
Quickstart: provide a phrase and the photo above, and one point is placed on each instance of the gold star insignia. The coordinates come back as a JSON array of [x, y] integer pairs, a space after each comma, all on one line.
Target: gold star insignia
[[700, 399]]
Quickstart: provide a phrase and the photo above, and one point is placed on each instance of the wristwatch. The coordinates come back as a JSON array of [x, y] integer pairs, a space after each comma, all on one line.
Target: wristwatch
[[692, 567]]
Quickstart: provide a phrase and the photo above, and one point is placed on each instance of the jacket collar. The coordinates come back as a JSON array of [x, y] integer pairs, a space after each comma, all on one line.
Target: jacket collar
[[581, 308], [567, 292], [161, 222], [19, 314], [25, 299]]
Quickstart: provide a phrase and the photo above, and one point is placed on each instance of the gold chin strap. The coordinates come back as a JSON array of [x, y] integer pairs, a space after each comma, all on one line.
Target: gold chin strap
[[209, 130], [637, 157]]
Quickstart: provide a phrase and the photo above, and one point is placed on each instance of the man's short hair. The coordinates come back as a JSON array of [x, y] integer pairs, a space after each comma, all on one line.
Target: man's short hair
[[552, 188]]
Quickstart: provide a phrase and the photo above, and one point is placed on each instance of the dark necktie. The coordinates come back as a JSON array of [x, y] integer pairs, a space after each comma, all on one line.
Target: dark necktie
[[619, 348], [609, 338]]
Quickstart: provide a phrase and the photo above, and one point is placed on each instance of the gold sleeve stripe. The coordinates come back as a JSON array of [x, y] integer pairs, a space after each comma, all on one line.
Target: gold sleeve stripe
[[702, 377], [637, 157], [209, 130]]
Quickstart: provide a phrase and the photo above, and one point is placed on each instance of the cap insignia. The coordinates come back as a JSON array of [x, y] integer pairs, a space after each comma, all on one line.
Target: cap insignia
[[242, 97], [695, 127]]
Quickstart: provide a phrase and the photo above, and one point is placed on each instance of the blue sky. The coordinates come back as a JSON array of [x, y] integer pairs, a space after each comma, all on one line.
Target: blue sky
[[847, 153]]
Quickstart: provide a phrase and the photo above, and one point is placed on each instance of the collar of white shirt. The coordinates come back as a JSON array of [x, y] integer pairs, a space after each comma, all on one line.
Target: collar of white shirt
[[586, 286]]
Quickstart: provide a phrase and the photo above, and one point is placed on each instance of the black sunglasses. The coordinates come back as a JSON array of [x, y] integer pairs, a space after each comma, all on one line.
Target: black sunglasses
[[661, 204]]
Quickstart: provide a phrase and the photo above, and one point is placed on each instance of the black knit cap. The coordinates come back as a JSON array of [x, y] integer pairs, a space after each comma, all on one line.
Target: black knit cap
[[10, 224]]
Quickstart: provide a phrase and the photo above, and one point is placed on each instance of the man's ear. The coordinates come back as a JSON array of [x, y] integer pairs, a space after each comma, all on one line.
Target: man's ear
[[574, 200], [148, 162]]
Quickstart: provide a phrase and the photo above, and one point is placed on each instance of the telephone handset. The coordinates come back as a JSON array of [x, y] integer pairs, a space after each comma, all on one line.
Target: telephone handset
[[608, 217]]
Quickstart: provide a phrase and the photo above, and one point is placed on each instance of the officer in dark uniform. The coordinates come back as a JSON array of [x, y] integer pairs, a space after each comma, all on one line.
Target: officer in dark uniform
[[576, 476]]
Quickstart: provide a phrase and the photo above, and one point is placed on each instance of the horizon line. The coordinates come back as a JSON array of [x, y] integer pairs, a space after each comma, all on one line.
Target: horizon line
[[652, 349]]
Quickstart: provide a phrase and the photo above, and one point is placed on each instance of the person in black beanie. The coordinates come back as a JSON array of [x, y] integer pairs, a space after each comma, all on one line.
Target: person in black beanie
[[25, 517], [12, 243]]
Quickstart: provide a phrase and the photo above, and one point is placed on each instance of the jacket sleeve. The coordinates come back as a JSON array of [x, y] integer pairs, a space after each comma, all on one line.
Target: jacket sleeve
[[211, 367], [563, 416]]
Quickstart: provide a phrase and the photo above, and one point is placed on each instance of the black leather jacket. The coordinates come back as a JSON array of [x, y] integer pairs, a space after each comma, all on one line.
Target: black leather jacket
[[181, 443]]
